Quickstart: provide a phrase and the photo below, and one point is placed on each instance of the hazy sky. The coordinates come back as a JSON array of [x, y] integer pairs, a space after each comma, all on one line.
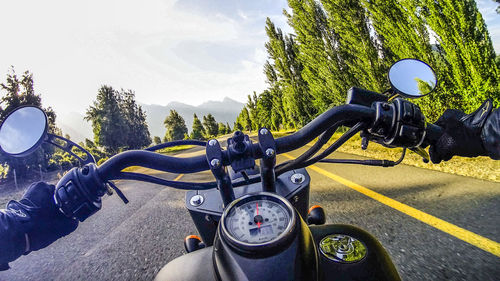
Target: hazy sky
[[166, 50]]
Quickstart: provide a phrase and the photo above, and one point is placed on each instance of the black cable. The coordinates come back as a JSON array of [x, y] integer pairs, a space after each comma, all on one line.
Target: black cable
[[382, 163], [174, 184], [323, 138], [340, 141], [179, 184], [401, 157]]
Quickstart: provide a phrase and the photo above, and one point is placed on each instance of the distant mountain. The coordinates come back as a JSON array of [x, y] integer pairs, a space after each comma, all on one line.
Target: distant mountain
[[73, 124], [224, 111]]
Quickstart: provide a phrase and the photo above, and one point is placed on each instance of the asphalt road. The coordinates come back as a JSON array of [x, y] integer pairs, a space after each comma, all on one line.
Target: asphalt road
[[133, 242]]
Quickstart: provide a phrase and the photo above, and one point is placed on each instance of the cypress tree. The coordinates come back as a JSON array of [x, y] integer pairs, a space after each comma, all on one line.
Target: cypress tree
[[326, 74], [467, 50], [243, 121], [222, 129], [108, 124], [356, 48], [278, 116], [135, 118], [296, 98], [176, 126], [198, 131], [253, 113], [210, 125], [265, 108]]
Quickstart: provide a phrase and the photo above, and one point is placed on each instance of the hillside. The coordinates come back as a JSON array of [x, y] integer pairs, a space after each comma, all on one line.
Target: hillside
[[224, 111]]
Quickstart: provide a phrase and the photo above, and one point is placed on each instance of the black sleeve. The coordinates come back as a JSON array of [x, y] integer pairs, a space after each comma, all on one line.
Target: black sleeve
[[13, 239], [491, 134]]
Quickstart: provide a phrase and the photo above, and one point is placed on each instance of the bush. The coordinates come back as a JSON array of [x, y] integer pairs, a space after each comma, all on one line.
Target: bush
[[102, 160]]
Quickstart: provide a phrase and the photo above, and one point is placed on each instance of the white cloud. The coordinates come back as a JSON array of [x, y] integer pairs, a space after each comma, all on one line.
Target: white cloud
[[74, 47]]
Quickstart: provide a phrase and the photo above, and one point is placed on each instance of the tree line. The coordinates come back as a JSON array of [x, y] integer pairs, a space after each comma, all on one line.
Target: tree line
[[118, 124], [177, 129], [338, 44]]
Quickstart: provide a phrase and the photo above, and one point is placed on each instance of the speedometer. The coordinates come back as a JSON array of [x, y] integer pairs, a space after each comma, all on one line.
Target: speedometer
[[258, 219]]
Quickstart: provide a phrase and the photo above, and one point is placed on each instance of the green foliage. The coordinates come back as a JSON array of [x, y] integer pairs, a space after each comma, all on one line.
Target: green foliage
[[265, 109], [176, 127], [135, 119], [19, 91], [237, 126], [222, 129], [198, 131], [156, 140], [287, 68], [96, 151], [117, 121], [211, 126], [338, 44], [243, 121], [102, 160]]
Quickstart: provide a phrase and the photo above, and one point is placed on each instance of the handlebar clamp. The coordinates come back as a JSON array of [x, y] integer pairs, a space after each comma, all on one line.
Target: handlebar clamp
[[240, 152], [399, 124]]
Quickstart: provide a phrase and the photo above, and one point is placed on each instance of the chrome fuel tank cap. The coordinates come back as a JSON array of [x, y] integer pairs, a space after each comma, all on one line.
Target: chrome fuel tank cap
[[342, 248]]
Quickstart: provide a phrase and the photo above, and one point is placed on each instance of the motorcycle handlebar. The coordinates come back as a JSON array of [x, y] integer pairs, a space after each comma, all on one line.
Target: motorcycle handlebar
[[111, 168], [348, 113]]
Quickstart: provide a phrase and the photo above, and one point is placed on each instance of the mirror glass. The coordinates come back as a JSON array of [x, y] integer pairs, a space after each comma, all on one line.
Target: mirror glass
[[22, 130], [412, 78]]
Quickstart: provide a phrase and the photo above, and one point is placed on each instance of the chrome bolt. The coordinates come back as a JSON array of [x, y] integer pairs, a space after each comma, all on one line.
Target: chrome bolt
[[196, 200], [215, 162], [270, 152], [298, 178], [212, 142], [264, 131]]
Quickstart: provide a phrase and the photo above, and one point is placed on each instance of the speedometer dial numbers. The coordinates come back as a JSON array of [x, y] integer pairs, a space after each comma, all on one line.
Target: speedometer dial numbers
[[257, 222], [258, 219]]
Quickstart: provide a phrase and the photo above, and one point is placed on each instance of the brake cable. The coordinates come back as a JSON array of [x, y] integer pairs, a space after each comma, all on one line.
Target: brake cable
[[340, 141], [381, 163], [323, 138]]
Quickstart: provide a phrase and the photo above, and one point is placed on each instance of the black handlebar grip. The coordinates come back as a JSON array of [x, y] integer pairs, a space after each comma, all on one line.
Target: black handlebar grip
[[433, 133]]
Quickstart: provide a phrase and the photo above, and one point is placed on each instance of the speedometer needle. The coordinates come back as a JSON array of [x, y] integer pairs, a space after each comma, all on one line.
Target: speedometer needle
[[257, 207]]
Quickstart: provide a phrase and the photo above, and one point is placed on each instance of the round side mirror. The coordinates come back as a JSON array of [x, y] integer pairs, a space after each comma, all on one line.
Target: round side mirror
[[412, 78], [23, 131]]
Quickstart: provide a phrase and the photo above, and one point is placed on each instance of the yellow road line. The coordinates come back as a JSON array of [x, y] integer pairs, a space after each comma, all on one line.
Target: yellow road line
[[460, 233], [178, 177]]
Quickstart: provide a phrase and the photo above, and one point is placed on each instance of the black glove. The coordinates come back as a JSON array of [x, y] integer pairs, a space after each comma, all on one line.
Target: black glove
[[44, 223], [462, 134]]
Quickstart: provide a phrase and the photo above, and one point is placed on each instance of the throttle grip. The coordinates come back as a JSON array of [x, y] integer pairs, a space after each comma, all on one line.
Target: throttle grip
[[433, 133]]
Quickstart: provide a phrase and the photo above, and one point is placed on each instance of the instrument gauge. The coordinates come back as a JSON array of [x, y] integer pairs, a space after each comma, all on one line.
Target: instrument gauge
[[258, 219]]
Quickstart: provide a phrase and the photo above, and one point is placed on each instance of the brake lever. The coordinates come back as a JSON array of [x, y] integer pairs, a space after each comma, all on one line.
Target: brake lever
[[421, 152]]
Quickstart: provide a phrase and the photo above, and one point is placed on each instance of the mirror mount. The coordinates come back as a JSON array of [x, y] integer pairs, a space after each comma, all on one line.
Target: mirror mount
[[391, 94], [68, 146], [25, 129]]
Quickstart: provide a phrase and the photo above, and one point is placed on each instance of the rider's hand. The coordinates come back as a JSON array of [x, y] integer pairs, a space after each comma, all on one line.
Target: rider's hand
[[462, 134], [43, 223]]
